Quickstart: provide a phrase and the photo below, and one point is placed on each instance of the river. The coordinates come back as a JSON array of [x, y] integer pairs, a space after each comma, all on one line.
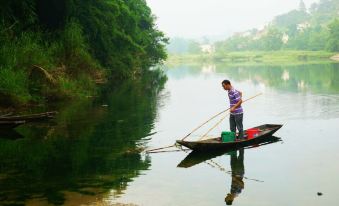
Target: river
[[91, 154]]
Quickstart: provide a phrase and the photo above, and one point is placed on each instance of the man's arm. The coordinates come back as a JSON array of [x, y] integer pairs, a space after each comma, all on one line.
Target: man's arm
[[238, 103]]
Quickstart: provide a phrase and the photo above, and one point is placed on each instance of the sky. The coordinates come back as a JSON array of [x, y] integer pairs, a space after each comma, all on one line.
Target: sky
[[213, 18]]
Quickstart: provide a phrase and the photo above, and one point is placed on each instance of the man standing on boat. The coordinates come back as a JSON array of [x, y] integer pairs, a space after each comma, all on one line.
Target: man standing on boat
[[236, 116]]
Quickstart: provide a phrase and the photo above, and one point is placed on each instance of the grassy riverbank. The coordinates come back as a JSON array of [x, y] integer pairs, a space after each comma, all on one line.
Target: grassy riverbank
[[33, 69], [283, 57]]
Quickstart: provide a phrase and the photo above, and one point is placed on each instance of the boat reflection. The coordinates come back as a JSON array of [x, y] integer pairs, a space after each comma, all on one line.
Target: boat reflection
[[236, 161]]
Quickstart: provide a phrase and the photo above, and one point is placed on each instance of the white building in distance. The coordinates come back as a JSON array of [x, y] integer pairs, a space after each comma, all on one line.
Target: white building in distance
[[207, 48]]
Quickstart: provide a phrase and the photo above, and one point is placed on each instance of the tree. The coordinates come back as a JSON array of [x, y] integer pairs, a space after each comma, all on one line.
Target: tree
[[291, 19], [272, 40], [333, 38], [194, 47], [317, 38], [302, 6], [121, 35]]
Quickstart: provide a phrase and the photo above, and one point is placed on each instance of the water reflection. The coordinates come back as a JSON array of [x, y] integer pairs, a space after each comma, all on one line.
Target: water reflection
[[88, 149], [238, 172], [295, 78], [236, 162], [10, 134]]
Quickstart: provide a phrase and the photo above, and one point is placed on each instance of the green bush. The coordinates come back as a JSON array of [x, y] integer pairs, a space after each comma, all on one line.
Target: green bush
[[75, 50], [24, 51], [13, 85], [333, 39]]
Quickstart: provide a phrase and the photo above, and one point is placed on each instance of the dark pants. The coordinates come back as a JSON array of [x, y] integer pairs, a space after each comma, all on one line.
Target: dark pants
[[236, 123]]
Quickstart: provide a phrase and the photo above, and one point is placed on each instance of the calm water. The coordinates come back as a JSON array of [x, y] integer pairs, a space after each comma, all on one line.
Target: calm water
[[90, 154]]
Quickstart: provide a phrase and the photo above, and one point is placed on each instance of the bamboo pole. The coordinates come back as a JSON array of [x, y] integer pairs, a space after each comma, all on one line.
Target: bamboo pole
[[204, 123], [222, 119], [160, 148]]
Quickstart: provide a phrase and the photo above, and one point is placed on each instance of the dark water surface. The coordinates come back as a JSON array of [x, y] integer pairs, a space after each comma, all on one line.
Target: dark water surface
[[90, 154]]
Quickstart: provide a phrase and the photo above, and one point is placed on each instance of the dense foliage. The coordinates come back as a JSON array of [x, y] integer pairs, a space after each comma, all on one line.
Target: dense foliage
[[78, 42], [313, 29]]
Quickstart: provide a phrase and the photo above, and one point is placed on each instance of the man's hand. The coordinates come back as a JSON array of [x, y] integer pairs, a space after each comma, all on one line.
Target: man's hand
[[236, 106]]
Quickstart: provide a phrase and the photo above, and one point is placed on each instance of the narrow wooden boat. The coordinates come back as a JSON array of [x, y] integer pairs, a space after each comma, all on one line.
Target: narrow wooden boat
[[29, 117], [265, 131], [196, 157], [10, 124]]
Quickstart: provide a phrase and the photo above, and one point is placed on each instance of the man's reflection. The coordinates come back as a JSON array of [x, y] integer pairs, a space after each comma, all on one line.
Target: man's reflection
[[238, 171]]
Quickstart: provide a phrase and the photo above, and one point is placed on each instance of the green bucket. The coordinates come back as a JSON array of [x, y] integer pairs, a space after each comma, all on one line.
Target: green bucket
[[227, 136]]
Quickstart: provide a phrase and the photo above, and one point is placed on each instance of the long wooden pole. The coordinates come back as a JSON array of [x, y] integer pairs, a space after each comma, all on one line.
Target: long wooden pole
[[204, 123], [222, 119], [160, 148]]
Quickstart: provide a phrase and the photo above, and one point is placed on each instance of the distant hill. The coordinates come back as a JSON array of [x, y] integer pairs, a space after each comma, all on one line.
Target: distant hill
[[314, 28]]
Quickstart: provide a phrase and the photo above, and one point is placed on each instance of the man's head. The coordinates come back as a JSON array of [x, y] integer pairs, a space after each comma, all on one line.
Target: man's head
[[229, 199], [226, 84]]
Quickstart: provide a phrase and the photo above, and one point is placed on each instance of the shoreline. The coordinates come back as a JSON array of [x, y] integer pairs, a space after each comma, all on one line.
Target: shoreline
[[284, 57], [335, 57]]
